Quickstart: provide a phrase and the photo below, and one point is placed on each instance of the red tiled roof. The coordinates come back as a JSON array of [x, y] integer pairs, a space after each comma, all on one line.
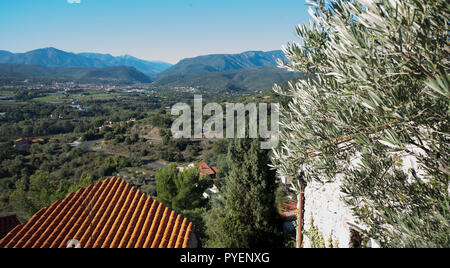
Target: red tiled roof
[[291, 206], [216, 170], [30, 140], [205, 169], [7, 224], [290, 209], [122, 217]]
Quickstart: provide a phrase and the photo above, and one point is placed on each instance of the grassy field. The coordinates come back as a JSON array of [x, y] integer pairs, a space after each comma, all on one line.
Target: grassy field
[[52, 98], [98, 96]]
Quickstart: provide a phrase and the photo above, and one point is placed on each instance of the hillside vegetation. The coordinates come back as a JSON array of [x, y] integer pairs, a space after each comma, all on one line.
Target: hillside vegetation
[[251, 79], [52, 57], [80, 74]]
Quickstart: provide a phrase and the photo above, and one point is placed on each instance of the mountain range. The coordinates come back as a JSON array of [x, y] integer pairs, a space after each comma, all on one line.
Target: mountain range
[[223, 62], [251, 70], [52, 57]]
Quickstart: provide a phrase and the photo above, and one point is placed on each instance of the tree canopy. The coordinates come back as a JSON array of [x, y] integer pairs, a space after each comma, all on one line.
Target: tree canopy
[[375, 112], [180, 190]]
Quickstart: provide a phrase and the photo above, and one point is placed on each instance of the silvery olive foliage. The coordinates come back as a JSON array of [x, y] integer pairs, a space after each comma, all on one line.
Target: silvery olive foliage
[[375, 112]]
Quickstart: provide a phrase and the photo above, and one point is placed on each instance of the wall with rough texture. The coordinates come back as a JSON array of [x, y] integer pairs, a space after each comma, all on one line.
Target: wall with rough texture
[[331, 216]]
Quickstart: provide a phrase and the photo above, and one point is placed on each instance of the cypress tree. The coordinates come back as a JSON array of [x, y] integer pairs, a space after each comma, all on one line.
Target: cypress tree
[[243, 215]]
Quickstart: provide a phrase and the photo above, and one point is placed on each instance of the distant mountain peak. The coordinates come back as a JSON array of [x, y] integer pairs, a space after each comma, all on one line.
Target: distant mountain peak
[[126, 56], [224, 62], [49, 49], [53, 57]]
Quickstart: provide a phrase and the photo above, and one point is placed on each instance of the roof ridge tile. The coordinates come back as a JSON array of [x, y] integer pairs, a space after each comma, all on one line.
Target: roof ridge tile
[[188, 236]]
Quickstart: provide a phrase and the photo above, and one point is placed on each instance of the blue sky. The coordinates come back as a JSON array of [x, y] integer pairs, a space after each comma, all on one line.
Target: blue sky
[[166, 30]]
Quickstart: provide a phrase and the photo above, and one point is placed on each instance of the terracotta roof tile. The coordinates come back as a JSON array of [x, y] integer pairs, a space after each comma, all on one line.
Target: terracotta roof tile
[[175, 231], [154, 226], [180, 238], [132, 224], [289, 209], [215, 169], [204, 169], [109, 214]]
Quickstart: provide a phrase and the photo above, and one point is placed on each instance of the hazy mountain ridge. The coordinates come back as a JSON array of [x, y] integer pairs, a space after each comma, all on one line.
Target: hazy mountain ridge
[[52, 57], [121, 74], [149, 68], [223, 62], [247, 71]]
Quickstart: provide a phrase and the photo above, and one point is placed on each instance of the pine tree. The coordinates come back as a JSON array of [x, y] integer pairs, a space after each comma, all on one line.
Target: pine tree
[[243, 214], [20, 200], [41, 193], [189, 190], [380, 94], [165, 184], [180, 190]]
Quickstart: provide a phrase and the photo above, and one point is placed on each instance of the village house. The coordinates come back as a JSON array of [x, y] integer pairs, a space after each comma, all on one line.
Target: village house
[[24, 144], [205, 170]]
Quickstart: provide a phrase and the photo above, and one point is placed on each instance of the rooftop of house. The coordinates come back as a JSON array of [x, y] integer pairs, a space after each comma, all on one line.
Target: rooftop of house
[[30, 140], [205, 169], [290, 209], [109, 214]]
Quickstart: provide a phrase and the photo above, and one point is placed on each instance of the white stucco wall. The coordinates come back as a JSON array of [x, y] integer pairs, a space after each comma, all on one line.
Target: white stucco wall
[[323, 202], [331, 215]]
